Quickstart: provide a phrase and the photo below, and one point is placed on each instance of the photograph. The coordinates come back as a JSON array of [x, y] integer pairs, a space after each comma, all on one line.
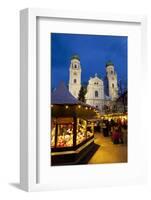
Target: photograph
[[88, 99]]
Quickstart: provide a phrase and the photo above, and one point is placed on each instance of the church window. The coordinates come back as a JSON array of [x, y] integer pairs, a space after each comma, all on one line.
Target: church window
[[96, 93], [75, 66], [111, 72], [112, 85], [75, 80]]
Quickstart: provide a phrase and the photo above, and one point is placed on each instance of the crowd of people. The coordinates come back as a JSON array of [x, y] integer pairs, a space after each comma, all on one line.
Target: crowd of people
[[117, 129]]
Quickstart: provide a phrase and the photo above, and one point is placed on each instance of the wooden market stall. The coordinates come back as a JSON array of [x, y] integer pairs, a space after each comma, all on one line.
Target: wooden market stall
[[72, 135]]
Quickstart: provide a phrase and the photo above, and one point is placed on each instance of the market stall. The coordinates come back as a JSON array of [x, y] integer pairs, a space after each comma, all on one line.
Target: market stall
[[117, 117], [72, 133]]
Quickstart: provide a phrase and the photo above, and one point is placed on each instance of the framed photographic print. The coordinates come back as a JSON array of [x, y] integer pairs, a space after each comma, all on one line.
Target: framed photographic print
[[82, 77]]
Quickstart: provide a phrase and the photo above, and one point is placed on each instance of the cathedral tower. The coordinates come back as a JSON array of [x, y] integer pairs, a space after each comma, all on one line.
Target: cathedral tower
[[75, 76], [112, 85]]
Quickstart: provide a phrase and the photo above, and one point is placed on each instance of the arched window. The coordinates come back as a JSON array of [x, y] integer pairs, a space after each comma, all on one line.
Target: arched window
[[112, 85], [75, 80], [96, 93]]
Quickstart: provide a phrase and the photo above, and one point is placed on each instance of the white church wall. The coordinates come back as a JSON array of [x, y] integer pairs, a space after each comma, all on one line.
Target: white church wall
[[75, 76], [95, 95], [95, 92], [112, 81]]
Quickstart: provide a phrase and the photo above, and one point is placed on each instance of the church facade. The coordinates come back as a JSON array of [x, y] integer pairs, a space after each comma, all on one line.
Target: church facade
[[99, 92]]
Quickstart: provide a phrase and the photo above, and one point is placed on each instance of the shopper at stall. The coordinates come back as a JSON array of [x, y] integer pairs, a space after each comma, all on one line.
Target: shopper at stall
[[116, 134], [119, 127], [105, 128]]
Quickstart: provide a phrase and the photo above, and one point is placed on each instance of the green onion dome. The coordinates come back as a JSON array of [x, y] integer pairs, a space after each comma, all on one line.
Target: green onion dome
[[109, 63], [75, 57]]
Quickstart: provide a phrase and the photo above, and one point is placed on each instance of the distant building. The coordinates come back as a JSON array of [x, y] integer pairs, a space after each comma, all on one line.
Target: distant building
[[121, 102], [99, 93]]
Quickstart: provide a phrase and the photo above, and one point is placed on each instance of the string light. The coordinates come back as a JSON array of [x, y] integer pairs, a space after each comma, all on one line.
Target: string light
[[79, 106], [67, 107]]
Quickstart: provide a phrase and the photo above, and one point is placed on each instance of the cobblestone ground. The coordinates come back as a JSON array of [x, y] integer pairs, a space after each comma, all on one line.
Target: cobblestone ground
[[108, 152]]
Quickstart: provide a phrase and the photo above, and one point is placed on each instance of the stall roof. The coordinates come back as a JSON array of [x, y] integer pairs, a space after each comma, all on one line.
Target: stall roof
[[62, 96]]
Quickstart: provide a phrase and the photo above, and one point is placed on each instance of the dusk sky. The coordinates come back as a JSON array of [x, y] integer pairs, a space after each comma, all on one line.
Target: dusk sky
[[94, 52]]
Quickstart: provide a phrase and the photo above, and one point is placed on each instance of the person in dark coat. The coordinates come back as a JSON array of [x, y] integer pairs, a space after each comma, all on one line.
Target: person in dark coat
[[105, 130], [115, 135]]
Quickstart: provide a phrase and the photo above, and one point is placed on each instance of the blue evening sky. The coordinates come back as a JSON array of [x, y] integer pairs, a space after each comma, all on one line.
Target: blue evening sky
[[94, 52]]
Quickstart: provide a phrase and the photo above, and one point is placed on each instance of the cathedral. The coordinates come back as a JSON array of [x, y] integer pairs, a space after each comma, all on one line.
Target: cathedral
[[99, 92]]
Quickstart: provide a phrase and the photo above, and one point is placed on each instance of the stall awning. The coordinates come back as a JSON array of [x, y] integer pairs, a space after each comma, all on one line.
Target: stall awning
[[62, 96], [65, 104]]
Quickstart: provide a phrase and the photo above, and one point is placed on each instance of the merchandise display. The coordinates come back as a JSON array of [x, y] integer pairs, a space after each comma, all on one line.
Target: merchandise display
[[65, 135], [90, 129], [53, 136], [81, 131], [64, 130]]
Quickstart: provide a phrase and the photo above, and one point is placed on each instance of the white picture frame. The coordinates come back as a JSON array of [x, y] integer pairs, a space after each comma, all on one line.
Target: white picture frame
[[29, 151]]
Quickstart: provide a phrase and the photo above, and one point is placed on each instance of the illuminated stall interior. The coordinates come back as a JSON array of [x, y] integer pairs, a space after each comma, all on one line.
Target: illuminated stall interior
[[72, 133]]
